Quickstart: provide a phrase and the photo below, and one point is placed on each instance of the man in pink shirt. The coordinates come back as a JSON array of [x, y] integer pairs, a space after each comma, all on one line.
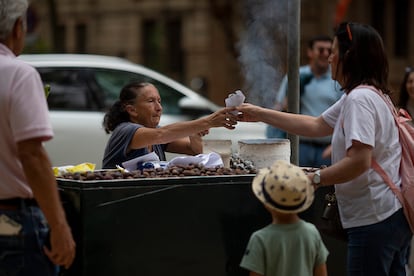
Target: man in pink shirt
[[34, 234]]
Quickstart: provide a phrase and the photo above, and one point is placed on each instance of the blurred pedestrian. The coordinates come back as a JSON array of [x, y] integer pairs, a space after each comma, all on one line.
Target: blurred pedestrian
[[406, 101], [134, 123], [317, 92], [362, 128], [30, 208], [406, 97], [289, 245]]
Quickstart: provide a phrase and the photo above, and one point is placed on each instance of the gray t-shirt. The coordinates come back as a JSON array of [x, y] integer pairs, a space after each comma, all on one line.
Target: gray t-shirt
[[117, 146]]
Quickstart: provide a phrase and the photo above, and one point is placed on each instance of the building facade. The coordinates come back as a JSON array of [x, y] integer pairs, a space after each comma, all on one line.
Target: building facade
[[199, 43]]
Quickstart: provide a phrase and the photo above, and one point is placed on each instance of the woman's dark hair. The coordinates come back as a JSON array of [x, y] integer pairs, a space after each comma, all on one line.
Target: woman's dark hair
[[362, 56], [403, 97], [117, 113]]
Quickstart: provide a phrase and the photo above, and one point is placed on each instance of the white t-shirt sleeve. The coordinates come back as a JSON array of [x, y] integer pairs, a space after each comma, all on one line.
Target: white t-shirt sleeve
[[359, 118], [330, 116]]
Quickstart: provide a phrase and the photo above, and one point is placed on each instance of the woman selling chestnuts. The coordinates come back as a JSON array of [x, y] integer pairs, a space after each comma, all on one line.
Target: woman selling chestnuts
[[133, 121]]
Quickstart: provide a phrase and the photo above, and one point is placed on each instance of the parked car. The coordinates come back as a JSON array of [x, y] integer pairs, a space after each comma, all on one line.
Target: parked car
[[84, 86]]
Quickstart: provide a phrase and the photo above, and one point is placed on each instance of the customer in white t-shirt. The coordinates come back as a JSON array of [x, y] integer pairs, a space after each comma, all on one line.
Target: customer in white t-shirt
[[362, 128]]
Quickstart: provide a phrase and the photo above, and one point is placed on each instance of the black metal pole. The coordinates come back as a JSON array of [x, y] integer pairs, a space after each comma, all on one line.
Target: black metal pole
[[293, 38]]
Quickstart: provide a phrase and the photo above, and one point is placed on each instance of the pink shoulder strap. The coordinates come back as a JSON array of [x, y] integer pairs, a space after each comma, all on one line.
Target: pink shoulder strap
[[374, 163], [386, 99], [384, 175]]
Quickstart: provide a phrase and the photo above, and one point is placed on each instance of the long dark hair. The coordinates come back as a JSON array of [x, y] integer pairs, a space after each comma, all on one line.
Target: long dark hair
[[403, 97], [362, 56], [117, 113]]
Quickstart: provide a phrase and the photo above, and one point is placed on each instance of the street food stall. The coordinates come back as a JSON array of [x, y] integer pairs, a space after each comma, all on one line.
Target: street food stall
[[166, 225], [175, 226]]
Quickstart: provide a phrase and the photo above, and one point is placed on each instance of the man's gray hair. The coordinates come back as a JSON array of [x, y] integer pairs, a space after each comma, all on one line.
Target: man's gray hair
[[10, 11]]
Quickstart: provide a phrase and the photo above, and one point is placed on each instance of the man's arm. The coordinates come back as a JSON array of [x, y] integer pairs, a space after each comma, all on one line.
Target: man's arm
[[320, 270], [39, 174]]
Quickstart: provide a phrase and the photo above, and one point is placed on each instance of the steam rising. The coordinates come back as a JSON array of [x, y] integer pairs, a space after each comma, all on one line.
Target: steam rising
[[263, 49]]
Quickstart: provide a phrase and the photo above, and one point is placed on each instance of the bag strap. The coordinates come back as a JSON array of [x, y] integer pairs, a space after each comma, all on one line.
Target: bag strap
[[304, 80], [386, 99], [374, 163], [387, 179]]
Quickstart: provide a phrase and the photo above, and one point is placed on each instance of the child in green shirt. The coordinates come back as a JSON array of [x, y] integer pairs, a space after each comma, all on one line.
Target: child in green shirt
[[288, 246]]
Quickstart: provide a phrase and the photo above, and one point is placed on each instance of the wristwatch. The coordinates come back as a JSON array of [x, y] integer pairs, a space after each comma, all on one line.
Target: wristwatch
[[316, 180]]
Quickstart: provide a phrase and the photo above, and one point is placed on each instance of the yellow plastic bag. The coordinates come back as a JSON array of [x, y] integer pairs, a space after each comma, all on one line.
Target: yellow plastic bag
[[83, 167]]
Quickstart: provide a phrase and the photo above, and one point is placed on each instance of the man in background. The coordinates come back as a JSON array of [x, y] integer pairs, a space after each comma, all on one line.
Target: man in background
[[317, 92], [34, 235]]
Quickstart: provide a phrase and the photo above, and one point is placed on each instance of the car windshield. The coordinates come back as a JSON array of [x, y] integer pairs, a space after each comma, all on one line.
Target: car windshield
[[96, 89]]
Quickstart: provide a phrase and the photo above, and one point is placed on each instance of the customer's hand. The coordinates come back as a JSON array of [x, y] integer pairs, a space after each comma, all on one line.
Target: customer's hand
[[247, 113]]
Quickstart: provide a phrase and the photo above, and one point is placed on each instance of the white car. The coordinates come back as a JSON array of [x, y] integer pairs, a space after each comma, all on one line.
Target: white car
[[84, 86]]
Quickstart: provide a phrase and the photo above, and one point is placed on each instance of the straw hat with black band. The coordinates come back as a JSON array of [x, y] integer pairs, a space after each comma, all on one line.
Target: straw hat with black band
[[283, 187]]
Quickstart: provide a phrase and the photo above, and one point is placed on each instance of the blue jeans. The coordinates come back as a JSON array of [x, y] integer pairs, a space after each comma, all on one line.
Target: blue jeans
[[272, 132], [310, 155], [379, 249], [23, 254]]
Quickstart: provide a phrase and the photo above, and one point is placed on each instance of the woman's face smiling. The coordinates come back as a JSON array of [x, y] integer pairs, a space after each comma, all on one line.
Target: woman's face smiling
[[148, 107]]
